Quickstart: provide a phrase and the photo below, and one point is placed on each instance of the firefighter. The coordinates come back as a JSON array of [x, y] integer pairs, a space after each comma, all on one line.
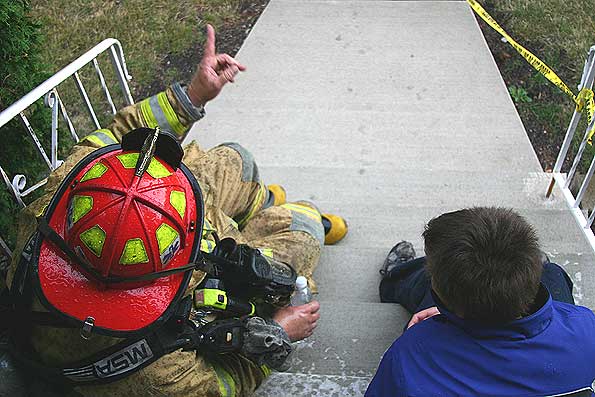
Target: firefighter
[[104, 257]]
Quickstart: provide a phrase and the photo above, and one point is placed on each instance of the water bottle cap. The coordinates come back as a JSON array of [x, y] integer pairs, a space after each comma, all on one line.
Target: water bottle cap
[[301, 282]]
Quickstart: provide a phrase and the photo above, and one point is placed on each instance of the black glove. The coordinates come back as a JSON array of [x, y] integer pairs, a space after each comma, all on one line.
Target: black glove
[[267, 343]]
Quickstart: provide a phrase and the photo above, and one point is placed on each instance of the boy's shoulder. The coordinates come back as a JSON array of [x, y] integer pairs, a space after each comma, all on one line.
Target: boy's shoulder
[[568, 308], [425, 332], [574, 315]]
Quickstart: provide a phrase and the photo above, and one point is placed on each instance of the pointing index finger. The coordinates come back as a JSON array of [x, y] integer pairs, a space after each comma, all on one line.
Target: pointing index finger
[[210, 43]]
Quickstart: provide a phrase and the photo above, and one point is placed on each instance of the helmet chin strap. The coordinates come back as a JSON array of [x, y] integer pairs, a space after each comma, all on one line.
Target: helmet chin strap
[[48, 232]]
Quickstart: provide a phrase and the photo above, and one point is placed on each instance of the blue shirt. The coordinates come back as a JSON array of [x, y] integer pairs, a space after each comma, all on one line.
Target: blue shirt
[[551, 351]]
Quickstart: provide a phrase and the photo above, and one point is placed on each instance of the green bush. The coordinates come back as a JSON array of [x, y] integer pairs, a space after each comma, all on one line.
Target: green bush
[[21, 70]]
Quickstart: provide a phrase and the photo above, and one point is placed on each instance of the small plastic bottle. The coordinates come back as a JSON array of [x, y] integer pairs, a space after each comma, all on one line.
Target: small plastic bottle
[[302, 294]]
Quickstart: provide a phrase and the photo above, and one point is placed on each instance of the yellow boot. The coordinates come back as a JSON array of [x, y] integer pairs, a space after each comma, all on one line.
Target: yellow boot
[[335, 228], [278, 193]]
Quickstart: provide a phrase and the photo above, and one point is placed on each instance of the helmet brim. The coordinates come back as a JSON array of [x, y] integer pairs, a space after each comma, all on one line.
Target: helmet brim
[[115, 311]]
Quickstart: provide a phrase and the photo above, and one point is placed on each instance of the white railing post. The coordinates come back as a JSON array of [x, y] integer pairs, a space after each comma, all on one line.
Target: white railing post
[[564, 181], [586, 81]]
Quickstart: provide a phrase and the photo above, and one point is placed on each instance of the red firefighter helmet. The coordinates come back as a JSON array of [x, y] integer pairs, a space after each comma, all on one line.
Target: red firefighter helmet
[[131, 217]]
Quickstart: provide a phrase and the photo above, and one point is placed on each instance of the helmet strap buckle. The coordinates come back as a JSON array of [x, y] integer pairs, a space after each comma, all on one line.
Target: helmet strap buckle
[[87, 328]]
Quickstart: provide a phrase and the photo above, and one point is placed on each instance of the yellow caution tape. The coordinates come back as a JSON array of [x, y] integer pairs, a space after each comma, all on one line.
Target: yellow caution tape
[[584, 100]]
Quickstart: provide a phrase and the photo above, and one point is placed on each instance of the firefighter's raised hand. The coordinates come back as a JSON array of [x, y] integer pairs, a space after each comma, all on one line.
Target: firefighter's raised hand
[[214, 71]]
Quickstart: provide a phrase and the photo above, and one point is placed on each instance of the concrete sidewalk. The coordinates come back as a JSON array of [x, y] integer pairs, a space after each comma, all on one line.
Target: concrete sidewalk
[[388, 113]]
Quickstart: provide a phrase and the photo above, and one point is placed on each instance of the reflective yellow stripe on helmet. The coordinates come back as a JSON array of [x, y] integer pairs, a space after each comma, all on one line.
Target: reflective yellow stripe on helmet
[[94, 239], [156, 169], [79, 207], [134, 252], [168, 241], [178, 201], [94, 172]]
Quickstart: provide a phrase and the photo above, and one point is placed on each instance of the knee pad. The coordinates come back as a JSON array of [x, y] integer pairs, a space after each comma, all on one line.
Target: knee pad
[[250, 171]]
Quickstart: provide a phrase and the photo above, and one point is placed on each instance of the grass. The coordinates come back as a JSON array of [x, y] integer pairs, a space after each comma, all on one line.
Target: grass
[[560, 27], [162, 42], [150, 30], [560, 32]]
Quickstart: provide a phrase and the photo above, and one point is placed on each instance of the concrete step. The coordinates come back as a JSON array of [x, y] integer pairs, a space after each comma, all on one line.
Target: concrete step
[[556, 229], [350, 339], [348, 275], [404, 90], [581, 269], [292, 384], [385, 187], [366, 147], [341, 357], [418, 56], [340, 267]]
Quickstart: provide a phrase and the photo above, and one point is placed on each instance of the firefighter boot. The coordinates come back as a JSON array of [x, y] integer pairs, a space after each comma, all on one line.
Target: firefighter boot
[[335, 228], [277, 195]]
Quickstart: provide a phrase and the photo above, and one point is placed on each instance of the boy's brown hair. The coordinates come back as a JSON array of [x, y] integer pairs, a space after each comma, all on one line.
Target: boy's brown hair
[[485, 263]]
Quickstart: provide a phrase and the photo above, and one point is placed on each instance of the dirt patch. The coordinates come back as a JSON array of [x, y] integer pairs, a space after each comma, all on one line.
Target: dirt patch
[[230, 36]]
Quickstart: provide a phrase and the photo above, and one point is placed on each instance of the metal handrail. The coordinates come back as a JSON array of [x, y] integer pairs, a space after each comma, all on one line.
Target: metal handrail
[[73, 67], [48, 90], [564, 180]]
